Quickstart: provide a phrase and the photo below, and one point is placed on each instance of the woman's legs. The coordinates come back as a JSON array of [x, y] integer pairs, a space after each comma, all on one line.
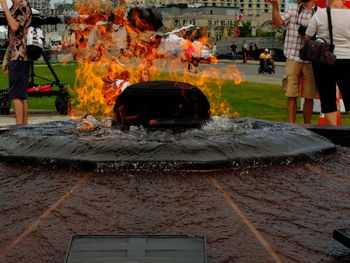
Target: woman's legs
[[325, 78], [331, 118], [343, 80]]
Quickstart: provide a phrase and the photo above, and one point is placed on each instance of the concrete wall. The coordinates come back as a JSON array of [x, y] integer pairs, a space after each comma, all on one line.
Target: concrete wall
[[223, 47]]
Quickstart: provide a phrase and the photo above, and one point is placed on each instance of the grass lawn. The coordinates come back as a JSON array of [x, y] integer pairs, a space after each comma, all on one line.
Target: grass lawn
[[254, 100], [65, 74]]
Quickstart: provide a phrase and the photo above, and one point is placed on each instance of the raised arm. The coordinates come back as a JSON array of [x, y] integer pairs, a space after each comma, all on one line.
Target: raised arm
[[276, 16], [13, 24]]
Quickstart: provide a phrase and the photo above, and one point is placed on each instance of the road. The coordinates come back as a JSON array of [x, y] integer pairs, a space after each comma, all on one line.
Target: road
[[250, 71]]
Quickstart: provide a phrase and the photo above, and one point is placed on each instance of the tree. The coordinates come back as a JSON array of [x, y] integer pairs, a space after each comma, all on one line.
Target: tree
[[246, 29]]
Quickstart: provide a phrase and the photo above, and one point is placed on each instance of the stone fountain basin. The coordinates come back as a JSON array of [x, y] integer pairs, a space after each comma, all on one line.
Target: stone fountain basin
[[221, 144]]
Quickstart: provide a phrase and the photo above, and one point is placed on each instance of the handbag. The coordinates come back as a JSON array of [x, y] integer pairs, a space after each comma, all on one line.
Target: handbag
[[318, 51]]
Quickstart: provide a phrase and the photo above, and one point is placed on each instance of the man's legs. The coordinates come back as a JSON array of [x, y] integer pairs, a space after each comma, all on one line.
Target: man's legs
[[292, 109], [307, 110], [293, 70], [18, 84], [309, 91], [25, 111], [21, 111], [262, 63]]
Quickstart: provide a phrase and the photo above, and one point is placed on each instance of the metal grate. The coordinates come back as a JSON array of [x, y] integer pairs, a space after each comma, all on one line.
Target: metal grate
[[137, 249], [342, 236]]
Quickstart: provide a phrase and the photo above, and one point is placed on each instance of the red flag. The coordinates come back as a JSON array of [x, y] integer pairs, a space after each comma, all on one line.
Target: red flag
[[240, 17], [321, 3], [347, 3], [238, 32]]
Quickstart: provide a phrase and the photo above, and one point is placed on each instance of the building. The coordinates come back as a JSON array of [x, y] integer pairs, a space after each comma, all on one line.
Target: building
[[248, 7], [216, 20], [219, 21], [40, 4]]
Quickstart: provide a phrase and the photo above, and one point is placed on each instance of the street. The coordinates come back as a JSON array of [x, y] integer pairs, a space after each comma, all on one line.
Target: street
[[250, 71]]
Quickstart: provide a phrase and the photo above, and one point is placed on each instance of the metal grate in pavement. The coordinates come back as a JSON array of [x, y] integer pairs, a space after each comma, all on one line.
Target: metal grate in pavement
[[136, 249]]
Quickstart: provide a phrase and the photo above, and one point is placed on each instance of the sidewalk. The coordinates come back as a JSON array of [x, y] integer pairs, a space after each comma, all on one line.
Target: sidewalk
[[249, 62], [35, 117]]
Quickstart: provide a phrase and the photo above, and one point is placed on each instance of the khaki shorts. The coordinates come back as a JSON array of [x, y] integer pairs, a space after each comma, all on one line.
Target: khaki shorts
[[296, 71]]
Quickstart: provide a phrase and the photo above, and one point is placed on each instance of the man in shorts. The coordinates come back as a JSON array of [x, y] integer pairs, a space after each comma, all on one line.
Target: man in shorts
[[18, 17], [296, 19]]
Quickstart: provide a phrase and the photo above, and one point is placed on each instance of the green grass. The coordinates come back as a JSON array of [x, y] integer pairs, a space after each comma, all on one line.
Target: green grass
[[66, 73], [254, 100], [263, 101]]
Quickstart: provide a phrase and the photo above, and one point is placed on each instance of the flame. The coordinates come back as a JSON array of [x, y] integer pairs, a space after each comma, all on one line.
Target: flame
[[110, 50]]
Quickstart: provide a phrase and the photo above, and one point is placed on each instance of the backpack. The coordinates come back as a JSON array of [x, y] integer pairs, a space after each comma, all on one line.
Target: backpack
[[35, 42]]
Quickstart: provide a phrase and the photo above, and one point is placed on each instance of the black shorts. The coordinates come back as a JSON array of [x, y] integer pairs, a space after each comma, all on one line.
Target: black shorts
[[18, 79]]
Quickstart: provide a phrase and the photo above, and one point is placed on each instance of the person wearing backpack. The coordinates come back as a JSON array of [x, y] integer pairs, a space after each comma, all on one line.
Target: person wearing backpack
[[296, 19], [328, 76], [18, 17]]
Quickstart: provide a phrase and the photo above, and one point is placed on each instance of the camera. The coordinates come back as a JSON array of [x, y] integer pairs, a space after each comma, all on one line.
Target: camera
[[302, 30]]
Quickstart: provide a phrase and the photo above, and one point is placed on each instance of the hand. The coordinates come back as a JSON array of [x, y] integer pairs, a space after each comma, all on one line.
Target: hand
[[3, 3], [273, 2]]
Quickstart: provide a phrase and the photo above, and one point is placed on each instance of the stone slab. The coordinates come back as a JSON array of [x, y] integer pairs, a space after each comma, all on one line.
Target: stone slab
[[337, 134], [222, 143]]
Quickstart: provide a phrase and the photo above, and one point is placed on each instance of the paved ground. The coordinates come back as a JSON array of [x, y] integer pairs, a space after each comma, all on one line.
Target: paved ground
[[34, 118], [250, 71], [264, 214]]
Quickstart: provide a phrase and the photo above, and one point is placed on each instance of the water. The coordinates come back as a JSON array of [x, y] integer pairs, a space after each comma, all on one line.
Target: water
[[295, 208], [221, 143]]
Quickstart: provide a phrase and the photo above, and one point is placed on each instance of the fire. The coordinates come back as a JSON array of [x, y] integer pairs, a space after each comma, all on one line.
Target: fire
[[114, 50]]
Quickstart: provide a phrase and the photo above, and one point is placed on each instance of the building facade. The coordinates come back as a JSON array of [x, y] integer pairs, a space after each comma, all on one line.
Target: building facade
[[40, 4], [248, 7]]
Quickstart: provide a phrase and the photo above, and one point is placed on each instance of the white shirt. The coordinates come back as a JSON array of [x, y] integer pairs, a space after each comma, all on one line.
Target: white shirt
[[341, 29]]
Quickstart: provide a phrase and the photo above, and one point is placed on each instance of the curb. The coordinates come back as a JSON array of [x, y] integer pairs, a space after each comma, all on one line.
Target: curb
[[339, 135], [249, 62]]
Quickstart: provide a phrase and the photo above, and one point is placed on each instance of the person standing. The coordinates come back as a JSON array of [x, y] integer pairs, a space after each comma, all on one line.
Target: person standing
[[245, 49], [214, 50], [328, 76], [18, 17], [234, 51], [296, 18], [255, 52]]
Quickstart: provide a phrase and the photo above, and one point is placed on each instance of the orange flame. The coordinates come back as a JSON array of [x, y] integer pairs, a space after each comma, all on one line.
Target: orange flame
[[108, 48]]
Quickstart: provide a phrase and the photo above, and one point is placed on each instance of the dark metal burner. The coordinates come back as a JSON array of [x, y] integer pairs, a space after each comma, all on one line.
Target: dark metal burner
[[221, 143], [161, 104]]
